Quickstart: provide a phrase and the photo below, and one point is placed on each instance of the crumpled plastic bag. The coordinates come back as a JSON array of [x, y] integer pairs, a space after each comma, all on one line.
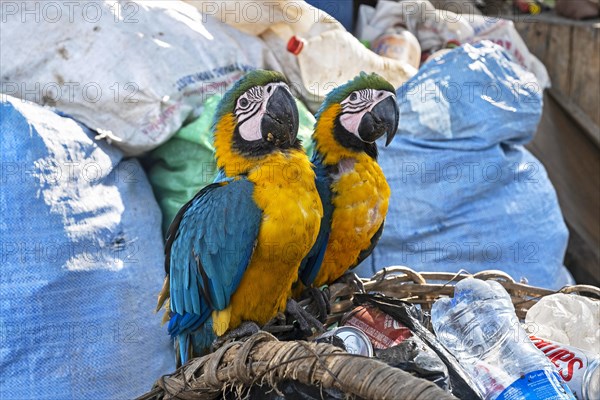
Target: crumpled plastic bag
[[466, 194], [568, 319], [82, 262]]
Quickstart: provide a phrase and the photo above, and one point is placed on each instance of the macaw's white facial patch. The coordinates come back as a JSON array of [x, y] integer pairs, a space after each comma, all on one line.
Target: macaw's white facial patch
[[351, 122], [357, 104], [250, 128], [250, 109]]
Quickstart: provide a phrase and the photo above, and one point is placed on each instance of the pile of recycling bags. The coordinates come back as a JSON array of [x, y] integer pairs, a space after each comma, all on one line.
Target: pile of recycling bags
[[466, 194], [82, 221]]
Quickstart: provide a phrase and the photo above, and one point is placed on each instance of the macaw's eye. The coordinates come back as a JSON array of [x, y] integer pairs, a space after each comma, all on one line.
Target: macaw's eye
[[243, 103], [269, 89], [353, 97]]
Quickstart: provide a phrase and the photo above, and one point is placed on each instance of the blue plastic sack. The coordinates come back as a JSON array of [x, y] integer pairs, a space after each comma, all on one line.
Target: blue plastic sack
[[82, 255], [466, 194]]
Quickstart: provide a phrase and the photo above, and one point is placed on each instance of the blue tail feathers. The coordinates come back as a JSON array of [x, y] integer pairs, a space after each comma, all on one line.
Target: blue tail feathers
[[193, 334]]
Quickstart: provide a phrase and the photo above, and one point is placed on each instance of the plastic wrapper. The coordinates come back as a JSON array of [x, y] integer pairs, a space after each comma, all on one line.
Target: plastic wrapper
[[409, 315], [413, 356]]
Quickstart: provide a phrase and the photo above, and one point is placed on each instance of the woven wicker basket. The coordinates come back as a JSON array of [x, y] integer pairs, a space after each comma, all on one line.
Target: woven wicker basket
[[263, 360], [425, 287]]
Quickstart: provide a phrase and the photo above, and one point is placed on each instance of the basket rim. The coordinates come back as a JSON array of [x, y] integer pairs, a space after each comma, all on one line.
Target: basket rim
[[406, 274], [424, 288]]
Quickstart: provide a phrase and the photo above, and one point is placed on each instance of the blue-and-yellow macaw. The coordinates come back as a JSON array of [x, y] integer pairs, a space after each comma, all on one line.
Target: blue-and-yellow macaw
[[233, 251], [351, 184]]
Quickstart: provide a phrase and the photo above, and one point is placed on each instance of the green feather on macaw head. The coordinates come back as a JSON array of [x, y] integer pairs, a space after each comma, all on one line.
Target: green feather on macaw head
[[257, 77], [361, 81], [355, 115], [257, 116]]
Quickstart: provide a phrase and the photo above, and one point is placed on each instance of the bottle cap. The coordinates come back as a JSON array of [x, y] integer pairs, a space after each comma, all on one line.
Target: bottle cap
[[452, 43], [295, 45]]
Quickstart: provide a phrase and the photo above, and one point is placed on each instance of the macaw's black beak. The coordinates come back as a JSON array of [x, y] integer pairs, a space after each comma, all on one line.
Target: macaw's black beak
[[382, 119], [279, 125]]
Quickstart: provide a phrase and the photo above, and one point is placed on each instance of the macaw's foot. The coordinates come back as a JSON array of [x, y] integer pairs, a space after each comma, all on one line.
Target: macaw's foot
[[246, 328], [277, 324], [319, 301], [306, 322], [282, 327], [352, 279]]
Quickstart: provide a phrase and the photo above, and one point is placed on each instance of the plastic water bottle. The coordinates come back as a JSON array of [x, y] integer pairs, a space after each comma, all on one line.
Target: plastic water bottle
[[320, 67], [400, 44], [480, 328]]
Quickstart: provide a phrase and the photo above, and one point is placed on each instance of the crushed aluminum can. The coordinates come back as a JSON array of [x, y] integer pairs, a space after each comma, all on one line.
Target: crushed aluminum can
[[577, 368], [382, 329], [355, 340]]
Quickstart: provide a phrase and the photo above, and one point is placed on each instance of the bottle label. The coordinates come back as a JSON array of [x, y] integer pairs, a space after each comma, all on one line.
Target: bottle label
[[570, 362], [537, 385]]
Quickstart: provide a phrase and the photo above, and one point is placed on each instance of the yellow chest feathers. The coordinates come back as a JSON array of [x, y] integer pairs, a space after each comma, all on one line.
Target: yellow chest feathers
[[360, 197], [285, 192]]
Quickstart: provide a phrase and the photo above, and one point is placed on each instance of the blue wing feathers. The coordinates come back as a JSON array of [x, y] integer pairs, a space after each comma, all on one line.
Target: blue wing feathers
[[310, 266], [315, 262], [208, 248]]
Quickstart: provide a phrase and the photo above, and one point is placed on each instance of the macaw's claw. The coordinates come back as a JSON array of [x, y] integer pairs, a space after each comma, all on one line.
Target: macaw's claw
[[306, 322], [352, 279], [277, 325], [320, 301], [246, 328]]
